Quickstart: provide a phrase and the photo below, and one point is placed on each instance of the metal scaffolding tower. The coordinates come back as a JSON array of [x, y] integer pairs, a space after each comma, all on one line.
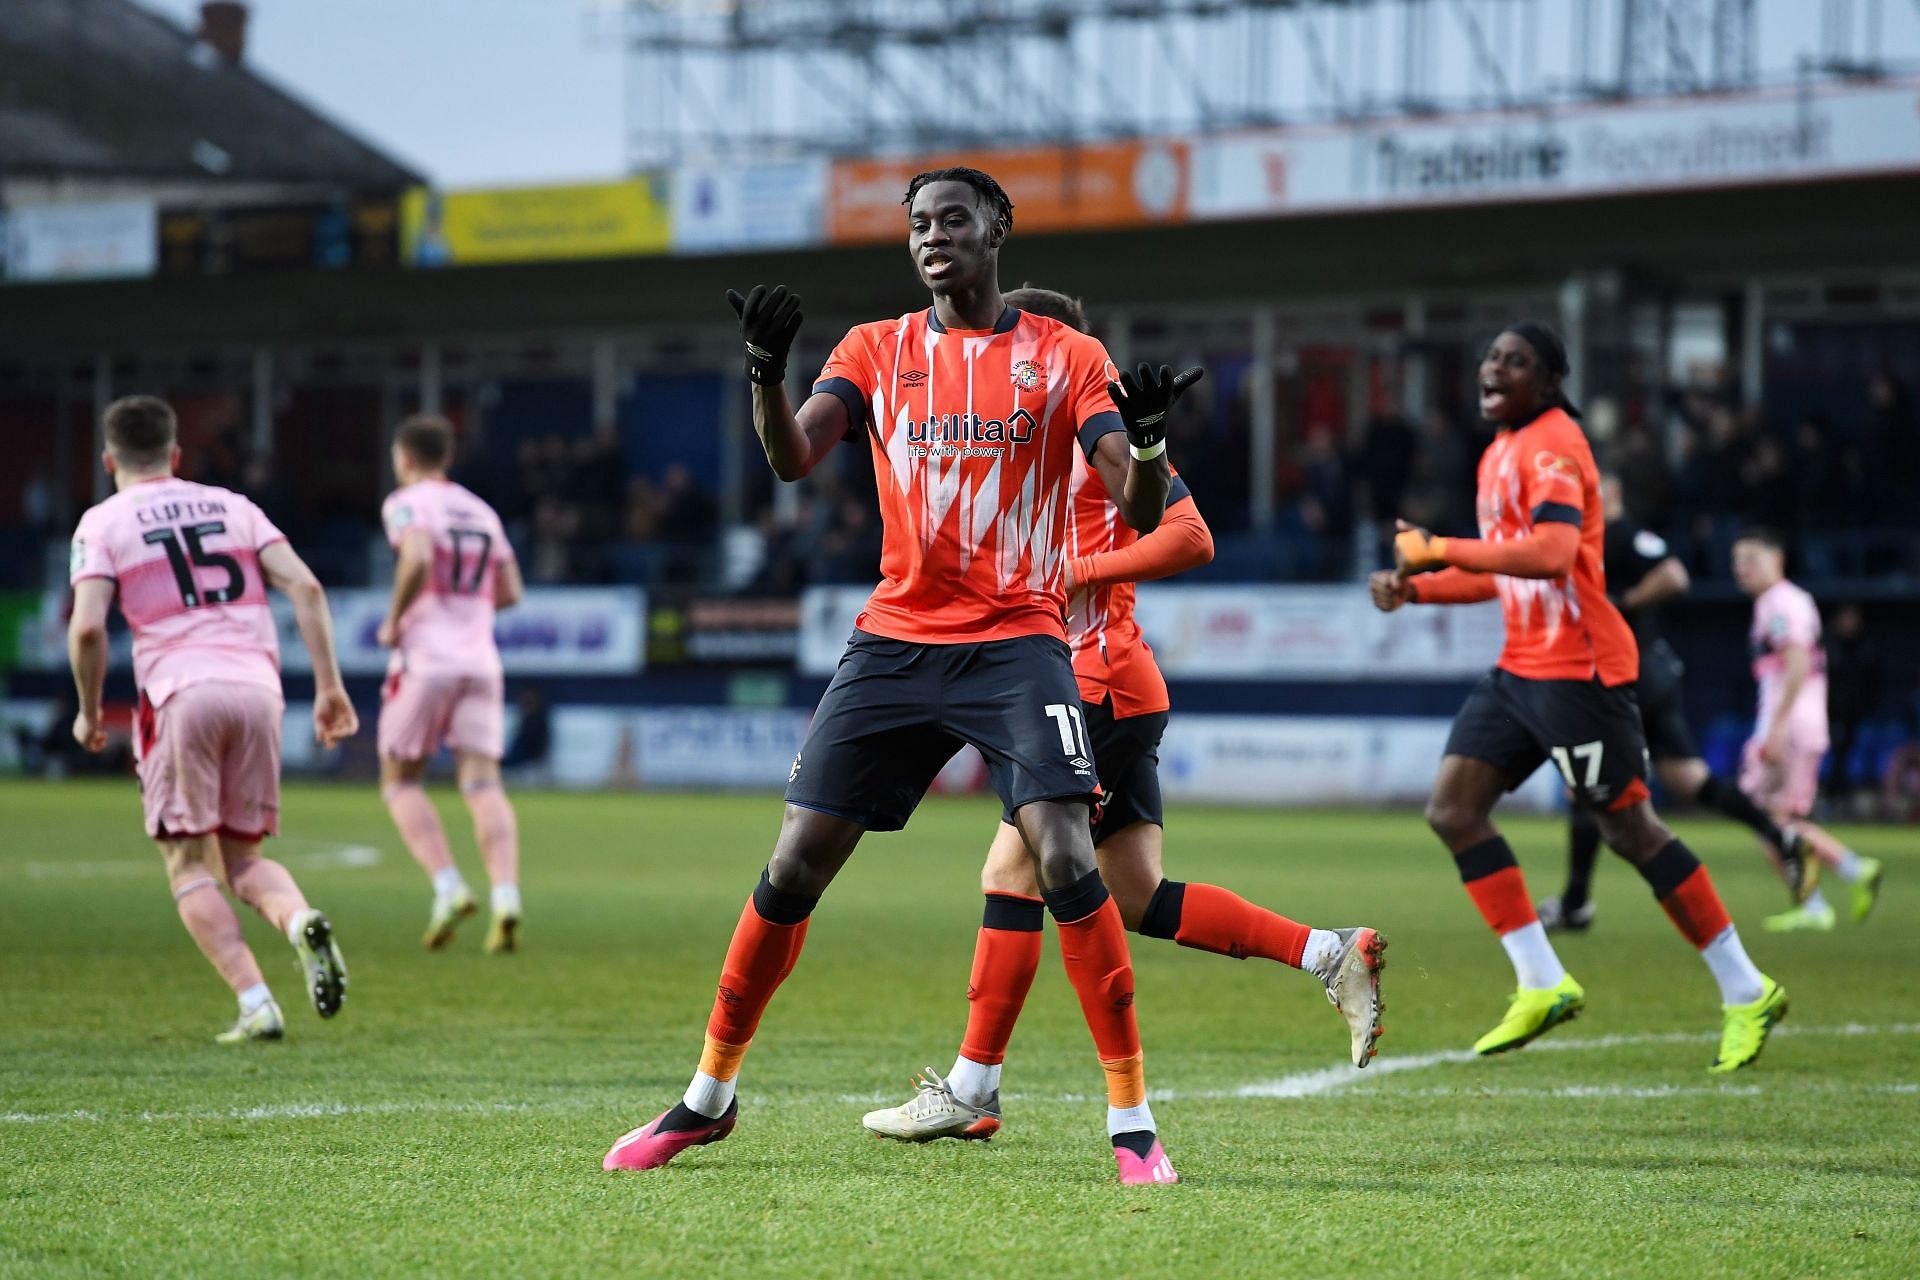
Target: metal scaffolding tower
[[736, 79]]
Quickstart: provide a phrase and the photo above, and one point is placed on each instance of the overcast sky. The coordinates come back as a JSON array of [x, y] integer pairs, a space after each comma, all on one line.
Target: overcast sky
[[469, 92]]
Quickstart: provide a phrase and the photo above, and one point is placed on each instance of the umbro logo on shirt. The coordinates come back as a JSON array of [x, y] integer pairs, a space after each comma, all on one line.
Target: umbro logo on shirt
[[914, 377]]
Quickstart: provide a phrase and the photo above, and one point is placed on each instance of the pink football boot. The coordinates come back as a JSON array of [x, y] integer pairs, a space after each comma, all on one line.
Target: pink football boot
[[1135, 1172], [646, 1149]]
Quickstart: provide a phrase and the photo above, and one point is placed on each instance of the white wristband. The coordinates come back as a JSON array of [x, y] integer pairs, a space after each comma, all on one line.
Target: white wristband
[[1149, 453]]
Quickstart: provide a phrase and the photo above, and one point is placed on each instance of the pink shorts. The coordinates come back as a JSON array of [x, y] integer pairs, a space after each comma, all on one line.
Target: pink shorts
[[418, 713], [210, 761], [1790, 787]]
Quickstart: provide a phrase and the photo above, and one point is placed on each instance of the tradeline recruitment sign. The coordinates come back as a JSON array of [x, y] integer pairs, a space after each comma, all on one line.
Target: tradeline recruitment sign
[[1671, 144]]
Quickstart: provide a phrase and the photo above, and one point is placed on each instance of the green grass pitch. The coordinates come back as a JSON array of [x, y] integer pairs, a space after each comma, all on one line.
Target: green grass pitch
[[452, 1119]]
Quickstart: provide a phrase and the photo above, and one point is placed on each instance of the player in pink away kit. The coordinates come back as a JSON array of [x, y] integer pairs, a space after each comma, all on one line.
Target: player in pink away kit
[[444, 682], [191, 564], [1780, 768]]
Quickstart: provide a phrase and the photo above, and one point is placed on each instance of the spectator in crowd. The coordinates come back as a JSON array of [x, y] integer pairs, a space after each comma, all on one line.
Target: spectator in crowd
[[556, 524], [1854, 672], [1893, 440], [1384, 464], [1641, 464], [1326, 494], [1768, 484], [689, 523], [850, 549], [533, 738]]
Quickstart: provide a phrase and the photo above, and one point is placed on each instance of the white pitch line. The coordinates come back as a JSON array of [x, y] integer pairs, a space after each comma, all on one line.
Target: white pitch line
[[1305, 1084], [1326, 1080], [319, 855]]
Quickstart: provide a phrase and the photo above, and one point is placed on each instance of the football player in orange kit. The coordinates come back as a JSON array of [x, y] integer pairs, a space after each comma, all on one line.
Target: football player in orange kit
[[1124, 703], [1562, 690]]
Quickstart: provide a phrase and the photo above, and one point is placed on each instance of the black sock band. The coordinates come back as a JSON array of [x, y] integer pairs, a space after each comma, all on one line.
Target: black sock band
[[683, 1118], [1078, 900], [1483, 859], [1583, 851], [1666, 870], [1138, 1141], [777, 906], [1014, 914], [1733, 802], [1162, 916]]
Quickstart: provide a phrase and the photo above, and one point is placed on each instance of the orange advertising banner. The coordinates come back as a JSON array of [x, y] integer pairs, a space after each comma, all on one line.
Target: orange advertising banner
[[1120, 184]]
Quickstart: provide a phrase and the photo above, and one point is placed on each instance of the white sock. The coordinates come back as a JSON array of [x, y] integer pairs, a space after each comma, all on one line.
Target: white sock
[[1816, 902], [448, 883], [506, 899], [297, 927], [1130, 1120], [253, 997], [974, 1083], [709, 1095], [1739, 981], [1322, 949], [1534, 963], [1848, 868]]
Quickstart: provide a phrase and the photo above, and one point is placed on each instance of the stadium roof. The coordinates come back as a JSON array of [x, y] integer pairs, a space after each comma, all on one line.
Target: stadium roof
[[106, 88]]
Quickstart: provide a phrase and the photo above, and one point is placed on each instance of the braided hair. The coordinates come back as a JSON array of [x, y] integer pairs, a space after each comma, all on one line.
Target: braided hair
[[1551, 350], [991, 194]]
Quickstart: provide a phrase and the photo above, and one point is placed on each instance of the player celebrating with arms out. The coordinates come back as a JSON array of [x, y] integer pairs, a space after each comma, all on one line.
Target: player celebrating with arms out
[[1780, 766], [1562, 690], [191, 564], [973, 411], [1124, 704], [444, 681]]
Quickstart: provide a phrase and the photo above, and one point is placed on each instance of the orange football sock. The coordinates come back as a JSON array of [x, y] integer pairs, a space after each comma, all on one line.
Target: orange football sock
[[1686, 893], [1094, 949], [1493, 880], [759, 959], [1006, 956], [1213, 919]]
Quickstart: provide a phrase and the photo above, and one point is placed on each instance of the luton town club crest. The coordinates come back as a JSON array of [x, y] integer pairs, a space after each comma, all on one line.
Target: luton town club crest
[[1026, 374]]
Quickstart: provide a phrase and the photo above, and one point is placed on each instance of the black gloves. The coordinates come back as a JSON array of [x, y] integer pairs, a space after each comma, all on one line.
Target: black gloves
[[769, 318], [1143, 400]]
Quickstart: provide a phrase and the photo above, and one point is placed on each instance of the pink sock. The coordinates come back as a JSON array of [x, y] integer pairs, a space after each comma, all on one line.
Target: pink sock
[[419, 825], [268, 888], [210, 919], [495, 830]]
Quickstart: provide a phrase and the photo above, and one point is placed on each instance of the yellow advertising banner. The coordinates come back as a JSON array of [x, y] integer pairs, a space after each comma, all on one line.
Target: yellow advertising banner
[[528, 224]]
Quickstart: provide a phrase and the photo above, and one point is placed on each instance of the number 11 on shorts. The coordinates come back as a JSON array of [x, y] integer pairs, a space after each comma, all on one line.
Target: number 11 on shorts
[[1073, 730]]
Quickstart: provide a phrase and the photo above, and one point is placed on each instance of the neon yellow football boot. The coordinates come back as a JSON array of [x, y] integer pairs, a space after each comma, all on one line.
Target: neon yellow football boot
[[1745, 1032], [1815, 916], [1866, 890], [1533, 1012]]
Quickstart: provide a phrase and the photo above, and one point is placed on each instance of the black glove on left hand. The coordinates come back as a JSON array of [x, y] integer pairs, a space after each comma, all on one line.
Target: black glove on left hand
[[1144, 398]]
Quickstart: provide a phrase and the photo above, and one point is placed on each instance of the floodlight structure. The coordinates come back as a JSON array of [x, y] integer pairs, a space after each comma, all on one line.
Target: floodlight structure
[[751, 79]]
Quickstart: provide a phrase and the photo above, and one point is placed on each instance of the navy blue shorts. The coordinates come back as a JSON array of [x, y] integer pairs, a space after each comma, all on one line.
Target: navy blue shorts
[[1591, 733], [897, 710], [1127, 754]]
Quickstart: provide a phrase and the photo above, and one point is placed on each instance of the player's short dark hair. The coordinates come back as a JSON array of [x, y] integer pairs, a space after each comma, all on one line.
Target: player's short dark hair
[[1765, 536], [1050, 303], [427, 438], [991, 194], [141, 431]]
